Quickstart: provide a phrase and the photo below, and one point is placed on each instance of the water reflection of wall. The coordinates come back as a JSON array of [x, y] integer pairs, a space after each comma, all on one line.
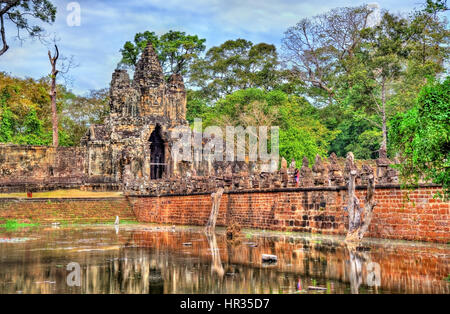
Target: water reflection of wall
[[152, 261], [404, 268]]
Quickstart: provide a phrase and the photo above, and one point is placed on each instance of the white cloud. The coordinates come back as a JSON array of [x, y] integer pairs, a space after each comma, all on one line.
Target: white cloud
[[107, 24]]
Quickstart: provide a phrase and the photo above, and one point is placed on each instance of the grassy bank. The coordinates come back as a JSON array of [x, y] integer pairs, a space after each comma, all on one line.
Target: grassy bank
[[11, 225]]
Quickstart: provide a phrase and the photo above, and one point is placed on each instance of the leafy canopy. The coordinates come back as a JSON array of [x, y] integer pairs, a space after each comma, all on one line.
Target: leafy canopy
[[25, 112], [301, 132], [175, 50], [236, 65], [422, 136]]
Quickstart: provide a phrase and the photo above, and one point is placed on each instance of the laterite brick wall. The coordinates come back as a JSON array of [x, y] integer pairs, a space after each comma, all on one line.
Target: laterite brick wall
[[399, 215], [46, 211]]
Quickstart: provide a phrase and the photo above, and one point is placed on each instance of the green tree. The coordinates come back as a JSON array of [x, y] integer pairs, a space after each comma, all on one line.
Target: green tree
[[422, 137], [7, 119], [197, 106], [428, 52], [357, 136], [175, 50], [18, 12], [301, 133], [395, 56], [436, 6], [236, 65], [33, 133], [22, 95], [367, 71], [79, 112], [132, 50], [366, 145], [25, 112]]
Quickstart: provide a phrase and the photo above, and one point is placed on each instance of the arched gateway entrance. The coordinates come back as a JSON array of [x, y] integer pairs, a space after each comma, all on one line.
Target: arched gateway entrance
[[157, 154]]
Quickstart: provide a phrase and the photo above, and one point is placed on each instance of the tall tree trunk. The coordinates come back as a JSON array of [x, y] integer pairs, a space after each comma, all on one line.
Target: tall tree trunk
[[53, 75], [54, 113], [383, 115]]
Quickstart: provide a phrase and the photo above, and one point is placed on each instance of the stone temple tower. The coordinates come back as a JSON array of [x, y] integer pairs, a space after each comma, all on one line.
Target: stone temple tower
[[133, 145], [149, 94]]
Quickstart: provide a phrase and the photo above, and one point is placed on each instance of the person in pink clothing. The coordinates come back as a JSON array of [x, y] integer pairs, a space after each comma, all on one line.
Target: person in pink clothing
[[297, 176]]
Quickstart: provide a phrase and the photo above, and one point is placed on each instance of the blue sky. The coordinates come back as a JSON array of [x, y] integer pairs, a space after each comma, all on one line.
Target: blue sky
[[107, 24]]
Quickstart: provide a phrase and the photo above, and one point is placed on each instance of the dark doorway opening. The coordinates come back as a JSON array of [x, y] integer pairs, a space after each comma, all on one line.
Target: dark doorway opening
[[157, 157]]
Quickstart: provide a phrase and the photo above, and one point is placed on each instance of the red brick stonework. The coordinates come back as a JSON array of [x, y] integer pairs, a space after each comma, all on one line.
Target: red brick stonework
[[399, 214], [77, 210]]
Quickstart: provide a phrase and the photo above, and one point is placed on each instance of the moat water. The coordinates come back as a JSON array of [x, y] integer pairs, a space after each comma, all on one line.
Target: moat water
[[160, 259]]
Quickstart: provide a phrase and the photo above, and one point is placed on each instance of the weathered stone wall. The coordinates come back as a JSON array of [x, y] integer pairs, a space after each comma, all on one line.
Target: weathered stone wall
[[40, 166], [116, 152], [119, 150], [315, 210]]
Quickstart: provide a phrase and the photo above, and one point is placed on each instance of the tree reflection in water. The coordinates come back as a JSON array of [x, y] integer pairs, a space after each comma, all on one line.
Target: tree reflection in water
[[216, 265], [355, 266], [148, 259]]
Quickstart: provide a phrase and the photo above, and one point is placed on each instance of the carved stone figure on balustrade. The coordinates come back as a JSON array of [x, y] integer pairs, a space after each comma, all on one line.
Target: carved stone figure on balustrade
[[306, 175], [335, 175], [320, 172]]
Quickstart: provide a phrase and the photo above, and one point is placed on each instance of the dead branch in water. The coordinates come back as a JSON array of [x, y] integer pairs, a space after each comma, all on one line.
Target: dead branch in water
[[359, 218], [216, 197]]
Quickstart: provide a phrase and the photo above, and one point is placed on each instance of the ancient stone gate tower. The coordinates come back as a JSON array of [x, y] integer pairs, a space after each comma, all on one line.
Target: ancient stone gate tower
[[133, 145]]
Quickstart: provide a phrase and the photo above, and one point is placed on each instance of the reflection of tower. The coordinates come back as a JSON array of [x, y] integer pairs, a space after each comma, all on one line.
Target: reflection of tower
[[374, 17], [156, 282]]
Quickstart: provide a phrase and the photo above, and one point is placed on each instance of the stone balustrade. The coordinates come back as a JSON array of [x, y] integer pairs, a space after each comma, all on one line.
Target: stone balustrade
[[240, 176]]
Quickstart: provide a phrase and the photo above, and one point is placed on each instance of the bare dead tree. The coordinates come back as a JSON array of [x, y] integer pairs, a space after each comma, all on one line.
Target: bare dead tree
[[315, 48], [60, 67], [53, 60], [216, 266], [359, 218]]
